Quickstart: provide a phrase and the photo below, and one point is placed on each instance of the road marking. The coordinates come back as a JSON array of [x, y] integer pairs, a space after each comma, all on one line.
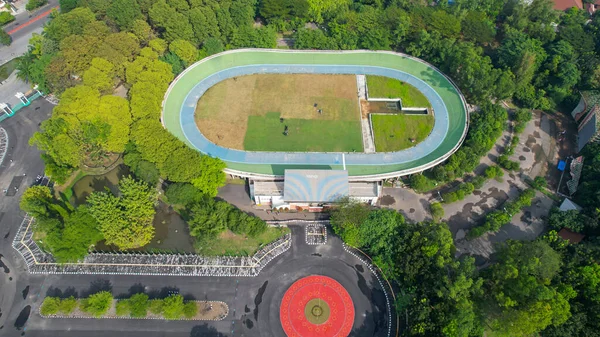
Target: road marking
[[39, 17]]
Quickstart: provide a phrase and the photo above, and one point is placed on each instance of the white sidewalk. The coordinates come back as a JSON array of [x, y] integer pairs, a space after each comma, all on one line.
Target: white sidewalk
[[368, 143]]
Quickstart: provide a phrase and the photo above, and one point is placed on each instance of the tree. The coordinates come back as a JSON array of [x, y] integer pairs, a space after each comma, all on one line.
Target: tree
[[185, 51], [183, 194], [100, 75], [37, 201], [190, 309], [67, 305], [125, 221], [346, 218], [50, 306], [319, 8], [173, 307], [522, 301], [79, 233], [477, 27], [97, 304], [212, 46], [123, 13], [138, 305], [67, 5]]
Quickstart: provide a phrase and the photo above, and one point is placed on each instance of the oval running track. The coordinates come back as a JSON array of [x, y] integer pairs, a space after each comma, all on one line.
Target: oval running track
[[449, 106]]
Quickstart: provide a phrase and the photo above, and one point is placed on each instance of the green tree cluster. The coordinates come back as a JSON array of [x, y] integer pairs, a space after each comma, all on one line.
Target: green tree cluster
[[58, 306], [500, 217], [210, 217], [437, 291], [67, 233], [463, 190], [33, 4], [125, 220]]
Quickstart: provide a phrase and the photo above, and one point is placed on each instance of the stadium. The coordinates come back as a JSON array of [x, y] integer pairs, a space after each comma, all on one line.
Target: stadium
[[260, 112]]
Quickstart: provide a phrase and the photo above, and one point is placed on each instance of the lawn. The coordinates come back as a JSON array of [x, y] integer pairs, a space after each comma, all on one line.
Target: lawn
[[393, 132], [233, 113], [385, 87], [229, 243], [265, 133]]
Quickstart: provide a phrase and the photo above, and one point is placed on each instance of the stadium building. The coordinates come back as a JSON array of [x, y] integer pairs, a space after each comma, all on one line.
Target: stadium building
[[311, 190]]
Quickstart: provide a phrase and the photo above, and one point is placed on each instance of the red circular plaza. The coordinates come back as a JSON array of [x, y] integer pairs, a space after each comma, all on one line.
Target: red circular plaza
[[317, 306]]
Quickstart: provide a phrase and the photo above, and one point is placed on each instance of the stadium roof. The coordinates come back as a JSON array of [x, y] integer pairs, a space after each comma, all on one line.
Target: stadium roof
[[315, 185]]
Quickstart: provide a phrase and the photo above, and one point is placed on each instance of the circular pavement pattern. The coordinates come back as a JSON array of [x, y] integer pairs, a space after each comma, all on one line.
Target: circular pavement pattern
[[316, 306]]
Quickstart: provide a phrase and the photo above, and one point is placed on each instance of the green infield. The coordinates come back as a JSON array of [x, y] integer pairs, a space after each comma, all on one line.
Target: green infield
[[385, 87], [266, 133], [395, 132]]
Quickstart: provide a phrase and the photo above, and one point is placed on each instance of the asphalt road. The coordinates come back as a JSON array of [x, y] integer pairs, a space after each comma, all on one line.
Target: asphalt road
[[253, 302], [22, 28]]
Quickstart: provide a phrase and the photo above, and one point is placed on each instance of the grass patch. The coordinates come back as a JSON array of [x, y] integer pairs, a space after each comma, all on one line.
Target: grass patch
[[229, 243], [265, 133], [394, 132], [8, 68], [386, 87], [224, 111]]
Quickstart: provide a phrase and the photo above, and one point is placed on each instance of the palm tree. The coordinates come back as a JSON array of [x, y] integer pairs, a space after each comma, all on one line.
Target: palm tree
[[23, 67]]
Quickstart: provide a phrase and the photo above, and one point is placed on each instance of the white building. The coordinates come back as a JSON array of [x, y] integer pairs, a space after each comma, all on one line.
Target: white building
[[311, 190]]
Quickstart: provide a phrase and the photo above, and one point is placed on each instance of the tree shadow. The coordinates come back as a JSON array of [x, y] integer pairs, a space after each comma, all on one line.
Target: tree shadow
[[55, 292], [97, 286], [205, 330]]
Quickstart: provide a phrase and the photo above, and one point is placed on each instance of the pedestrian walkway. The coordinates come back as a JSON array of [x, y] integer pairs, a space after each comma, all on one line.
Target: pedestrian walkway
[[367, 136]]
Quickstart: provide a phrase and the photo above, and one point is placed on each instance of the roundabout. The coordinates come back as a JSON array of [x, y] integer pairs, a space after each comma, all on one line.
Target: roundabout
[[317, 306]]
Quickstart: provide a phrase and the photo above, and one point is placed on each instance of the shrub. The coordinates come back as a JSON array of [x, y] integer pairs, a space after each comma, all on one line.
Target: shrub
[[138, 305], [5, 39], [507, 164], [50, 306], [123, 308], [437, 211], [67, 305], [33, 4], [173, 307], [502, 216], [190, 309], [156, 306], [418, 182], [539, 183], [6, 17], [97, 304]]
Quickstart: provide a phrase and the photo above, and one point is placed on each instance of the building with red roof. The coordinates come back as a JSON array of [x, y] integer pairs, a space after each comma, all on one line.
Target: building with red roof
[[563, 5]]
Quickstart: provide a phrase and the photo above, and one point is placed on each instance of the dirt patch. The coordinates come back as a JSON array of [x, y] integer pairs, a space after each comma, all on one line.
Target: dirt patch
[[223, 133], [387, 200]]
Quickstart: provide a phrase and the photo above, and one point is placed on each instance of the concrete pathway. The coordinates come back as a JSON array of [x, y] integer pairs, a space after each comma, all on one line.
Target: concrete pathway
[[368, 142]]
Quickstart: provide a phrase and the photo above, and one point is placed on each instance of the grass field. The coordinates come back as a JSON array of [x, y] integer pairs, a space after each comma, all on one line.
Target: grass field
[[243, 113], [265, 133], [385, 87], [229, 243], [393, 132]]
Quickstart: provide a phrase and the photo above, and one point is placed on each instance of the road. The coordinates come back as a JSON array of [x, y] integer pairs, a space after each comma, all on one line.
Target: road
[[22, 29], [253, 301]]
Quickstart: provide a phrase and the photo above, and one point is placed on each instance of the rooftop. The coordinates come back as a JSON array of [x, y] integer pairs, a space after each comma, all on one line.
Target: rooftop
[[563, 5], [315, 185], [569, 235], [268, 188]]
